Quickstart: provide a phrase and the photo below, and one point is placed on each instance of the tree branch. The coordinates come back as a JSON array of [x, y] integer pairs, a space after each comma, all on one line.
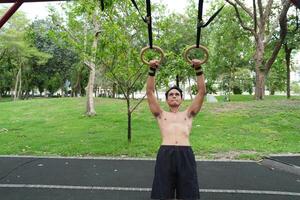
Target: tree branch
[[261, 12], [115, 77], [283, 32], [110, 70], [244, 7], [88, 64], [268, 9], [240, 19], [73, 38], [138, 104], [137, 78]]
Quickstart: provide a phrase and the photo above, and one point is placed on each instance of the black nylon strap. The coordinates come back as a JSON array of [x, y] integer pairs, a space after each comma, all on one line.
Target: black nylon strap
[[213, 17], [147, 19], [200, 22], [136, 6], [149, 22]]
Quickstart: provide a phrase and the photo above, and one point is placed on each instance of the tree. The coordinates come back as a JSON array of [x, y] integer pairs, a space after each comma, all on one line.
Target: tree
[[120, 58], [291, 43], [276, 80], [263, 16], [229, 63], [60, 66], [82, 29], [21, 55]]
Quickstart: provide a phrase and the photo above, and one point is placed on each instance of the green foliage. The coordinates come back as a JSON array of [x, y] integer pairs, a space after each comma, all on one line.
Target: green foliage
[[120, 47], [229, 61], [61, 64], [176, 32], [276, 79], [56, 48], [20, 54], [243, 81], [295, 87]]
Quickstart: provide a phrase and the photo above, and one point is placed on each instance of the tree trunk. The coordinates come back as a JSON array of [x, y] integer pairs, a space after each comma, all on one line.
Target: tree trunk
[[20, 85], [17, 85], [260, 85], [288, 70], [259, 69], [262, 35], [95, 90], [45, 93], [288, 82], [62, 91], [26, 96], [90, 107], [129, 127], [77, 87], [114, 90], [128, 118]]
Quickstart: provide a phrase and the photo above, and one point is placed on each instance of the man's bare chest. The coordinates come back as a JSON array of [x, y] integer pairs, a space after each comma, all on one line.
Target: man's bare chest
[[174, 119]]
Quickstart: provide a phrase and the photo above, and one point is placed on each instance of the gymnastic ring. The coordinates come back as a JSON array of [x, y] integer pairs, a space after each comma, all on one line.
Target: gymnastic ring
[[186, 52], [155, 48]]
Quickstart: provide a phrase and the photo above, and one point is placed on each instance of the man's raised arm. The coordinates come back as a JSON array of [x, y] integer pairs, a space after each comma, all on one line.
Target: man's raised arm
[[196, 105], [153, 104]]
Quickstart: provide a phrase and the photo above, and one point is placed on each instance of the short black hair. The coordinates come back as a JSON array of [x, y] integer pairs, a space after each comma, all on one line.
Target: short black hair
[[171, 88]]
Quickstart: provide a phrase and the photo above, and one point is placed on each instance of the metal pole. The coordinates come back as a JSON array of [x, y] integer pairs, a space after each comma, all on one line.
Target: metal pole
[[10, 12]]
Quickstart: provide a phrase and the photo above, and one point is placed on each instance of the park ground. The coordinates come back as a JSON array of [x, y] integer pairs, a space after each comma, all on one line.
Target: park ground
[[240, 129]]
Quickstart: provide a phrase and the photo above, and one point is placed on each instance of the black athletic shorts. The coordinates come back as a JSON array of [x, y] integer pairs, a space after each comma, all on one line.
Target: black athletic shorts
[[175, 173]]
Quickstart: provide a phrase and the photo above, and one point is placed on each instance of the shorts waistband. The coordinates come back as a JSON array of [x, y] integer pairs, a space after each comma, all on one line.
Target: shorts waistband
[[175, 147]]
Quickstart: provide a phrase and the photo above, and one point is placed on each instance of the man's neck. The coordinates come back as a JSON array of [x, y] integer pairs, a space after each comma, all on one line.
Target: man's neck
[[174, 109]]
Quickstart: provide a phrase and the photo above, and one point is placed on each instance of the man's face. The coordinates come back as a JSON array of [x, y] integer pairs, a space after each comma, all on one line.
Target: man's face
[[174, 98]]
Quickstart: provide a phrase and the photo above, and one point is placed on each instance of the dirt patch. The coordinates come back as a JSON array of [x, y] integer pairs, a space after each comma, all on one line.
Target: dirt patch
[[231, 155], [268, 106], [228, 107]]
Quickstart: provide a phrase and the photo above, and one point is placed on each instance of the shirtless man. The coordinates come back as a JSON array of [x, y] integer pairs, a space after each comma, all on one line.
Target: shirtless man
[[175, 168]]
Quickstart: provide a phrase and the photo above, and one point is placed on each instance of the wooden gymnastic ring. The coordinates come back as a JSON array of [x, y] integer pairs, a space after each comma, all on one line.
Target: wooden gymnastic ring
[[186, 52], [155, 48]]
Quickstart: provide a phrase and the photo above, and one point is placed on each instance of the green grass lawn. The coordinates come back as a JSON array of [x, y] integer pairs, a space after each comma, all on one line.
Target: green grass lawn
[[234, 98], [237, 129], [5, 99]]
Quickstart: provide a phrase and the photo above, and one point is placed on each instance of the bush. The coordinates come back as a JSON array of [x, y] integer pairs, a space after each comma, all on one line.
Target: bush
[[237, 90]]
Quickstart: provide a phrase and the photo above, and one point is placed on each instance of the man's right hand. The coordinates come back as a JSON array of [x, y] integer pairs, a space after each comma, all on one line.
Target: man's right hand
[[196, 63], [154, 64]]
